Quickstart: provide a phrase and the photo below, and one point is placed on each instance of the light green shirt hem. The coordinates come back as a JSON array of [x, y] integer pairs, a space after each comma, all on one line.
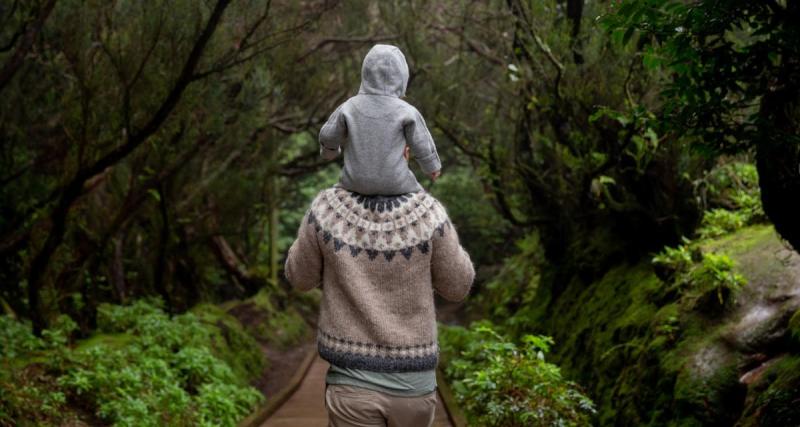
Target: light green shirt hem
[[406, 384]]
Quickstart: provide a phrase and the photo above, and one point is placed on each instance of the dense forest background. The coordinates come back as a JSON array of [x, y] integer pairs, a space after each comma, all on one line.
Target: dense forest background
[[624, 174]]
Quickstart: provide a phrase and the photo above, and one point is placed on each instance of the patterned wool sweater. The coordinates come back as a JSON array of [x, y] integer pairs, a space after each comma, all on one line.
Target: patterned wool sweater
[[379, 260]]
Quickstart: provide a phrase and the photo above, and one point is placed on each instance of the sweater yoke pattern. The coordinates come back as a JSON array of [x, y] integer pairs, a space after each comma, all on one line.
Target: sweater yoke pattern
[[378, 225]]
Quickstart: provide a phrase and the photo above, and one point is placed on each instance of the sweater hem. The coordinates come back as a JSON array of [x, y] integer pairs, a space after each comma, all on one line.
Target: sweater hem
[[378, 363]]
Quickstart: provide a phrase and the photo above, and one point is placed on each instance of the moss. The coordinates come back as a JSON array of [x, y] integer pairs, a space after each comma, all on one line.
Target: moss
[[710, 396], [106, 340], [600, 331], [775, 396], [647, 357], [231, 343], [794, 330]]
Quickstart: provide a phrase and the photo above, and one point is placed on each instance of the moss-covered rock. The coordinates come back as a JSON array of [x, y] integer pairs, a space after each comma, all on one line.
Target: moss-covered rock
[[651, 354], [773, 400], [794, 331]]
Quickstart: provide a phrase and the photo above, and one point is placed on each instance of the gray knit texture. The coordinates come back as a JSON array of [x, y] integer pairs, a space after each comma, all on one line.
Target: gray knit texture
[[372, 128]]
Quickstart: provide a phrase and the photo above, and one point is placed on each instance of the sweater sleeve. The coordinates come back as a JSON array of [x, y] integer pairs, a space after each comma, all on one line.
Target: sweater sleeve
[[333, 135], [304, 260], [419, 138], [452, 272]]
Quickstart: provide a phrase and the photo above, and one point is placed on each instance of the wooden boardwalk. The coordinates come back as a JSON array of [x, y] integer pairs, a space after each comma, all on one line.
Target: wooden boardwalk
[[306, 407]]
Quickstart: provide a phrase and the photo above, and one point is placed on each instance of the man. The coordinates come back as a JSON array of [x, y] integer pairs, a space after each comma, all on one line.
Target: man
[[379, 260]]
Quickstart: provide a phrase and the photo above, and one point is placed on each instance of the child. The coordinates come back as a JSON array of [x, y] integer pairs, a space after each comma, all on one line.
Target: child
[[373, 128]]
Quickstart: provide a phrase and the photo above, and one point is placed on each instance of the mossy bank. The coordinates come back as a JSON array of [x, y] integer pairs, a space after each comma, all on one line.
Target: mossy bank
[[655, 352]]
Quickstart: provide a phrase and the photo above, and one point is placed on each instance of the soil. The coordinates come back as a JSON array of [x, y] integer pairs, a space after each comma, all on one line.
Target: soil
[[283, 363]]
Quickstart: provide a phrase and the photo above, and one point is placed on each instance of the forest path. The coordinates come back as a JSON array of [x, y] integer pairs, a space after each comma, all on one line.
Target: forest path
[[306, 407]]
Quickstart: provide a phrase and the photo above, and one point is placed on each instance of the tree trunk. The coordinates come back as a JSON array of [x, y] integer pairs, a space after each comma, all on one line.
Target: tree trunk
[[778, 161], [273, 230], [234, 266], [118, 269], [161, 256]]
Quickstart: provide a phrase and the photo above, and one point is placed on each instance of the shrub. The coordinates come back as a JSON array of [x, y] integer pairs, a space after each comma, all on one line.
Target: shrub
[[147, 369], [697, 275], [501, 383], [718, 222], [17, 338], [715, 273], [733, 197]]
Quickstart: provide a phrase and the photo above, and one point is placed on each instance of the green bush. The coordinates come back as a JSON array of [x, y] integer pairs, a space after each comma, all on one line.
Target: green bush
[[715, 273], [733, 197], [696, 274], [145, 369], [718, 222], [17, 338], [502, 383]]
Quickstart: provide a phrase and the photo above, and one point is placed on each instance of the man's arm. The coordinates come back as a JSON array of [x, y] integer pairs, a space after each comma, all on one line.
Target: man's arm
[[304, 261], [451, 268]]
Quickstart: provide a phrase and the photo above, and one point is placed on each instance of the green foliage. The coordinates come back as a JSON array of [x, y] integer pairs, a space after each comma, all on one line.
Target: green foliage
[[17, 338], [514, 287], [481, 229], [165, 372], [721, 59], [675, 260], [501, 383], [695, 273], [731, 192], [718, 222], [716, 273], [282, 327]]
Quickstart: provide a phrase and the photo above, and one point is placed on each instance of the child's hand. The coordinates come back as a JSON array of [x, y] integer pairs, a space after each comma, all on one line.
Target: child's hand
[[435, 175]]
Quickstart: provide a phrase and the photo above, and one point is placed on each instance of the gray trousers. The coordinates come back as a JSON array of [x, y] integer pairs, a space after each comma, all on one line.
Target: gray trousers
[[350, 406]]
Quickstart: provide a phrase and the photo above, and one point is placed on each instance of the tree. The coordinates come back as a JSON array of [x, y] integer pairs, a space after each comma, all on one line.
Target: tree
[[733, 83]]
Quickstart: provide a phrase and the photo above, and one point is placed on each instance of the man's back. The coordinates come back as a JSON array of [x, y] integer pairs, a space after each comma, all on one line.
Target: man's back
[[379, 260]]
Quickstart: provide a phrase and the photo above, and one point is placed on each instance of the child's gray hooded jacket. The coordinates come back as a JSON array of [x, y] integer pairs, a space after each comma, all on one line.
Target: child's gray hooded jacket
[[373, 127]]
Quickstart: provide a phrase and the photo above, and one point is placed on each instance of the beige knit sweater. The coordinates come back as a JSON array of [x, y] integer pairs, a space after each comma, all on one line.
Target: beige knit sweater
[[379, 260]]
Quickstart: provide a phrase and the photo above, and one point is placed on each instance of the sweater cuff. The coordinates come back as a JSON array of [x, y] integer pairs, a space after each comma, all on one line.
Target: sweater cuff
[[430, 163]]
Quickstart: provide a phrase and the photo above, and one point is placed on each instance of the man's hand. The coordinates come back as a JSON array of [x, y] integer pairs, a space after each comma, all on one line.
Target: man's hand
[[435, 175]]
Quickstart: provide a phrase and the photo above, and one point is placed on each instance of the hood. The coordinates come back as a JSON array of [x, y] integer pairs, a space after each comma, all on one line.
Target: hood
[[384, 72]]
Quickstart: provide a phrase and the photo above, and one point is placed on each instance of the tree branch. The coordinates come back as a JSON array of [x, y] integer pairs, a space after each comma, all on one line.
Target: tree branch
[[74, 189], [12, 65]]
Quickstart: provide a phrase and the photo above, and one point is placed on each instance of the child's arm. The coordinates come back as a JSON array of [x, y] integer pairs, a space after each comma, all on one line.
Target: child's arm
[[332, 135], [419, 138]]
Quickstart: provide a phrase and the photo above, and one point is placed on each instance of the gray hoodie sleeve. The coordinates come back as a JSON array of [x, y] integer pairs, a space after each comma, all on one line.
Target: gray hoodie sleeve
[[332, 135], [421, 142]]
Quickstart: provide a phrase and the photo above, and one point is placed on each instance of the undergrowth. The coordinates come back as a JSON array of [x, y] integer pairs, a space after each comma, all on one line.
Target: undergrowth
[[143, 368], [499, 382]]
